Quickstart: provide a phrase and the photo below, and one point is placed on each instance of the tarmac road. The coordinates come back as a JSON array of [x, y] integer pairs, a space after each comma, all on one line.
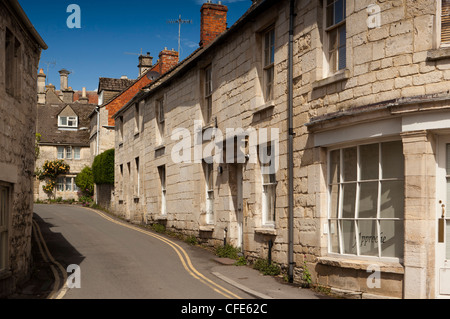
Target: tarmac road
[[122, 261]]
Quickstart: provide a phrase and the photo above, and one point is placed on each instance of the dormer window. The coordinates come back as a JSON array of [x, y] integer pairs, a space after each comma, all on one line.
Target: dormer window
[[68, 121]]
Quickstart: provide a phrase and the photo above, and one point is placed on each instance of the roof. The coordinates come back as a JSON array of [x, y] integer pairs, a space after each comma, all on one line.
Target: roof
[[111, 84], [47, 124], [191, 61], [26, 23]]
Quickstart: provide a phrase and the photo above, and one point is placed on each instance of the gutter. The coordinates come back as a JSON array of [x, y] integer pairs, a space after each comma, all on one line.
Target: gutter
[[291, 133]]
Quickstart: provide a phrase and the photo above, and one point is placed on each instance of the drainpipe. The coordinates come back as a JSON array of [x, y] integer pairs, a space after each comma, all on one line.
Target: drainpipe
[[291, 144], [97, 109]]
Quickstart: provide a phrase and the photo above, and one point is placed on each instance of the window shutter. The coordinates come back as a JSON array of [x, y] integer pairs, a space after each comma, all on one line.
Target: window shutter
[[445, 22]]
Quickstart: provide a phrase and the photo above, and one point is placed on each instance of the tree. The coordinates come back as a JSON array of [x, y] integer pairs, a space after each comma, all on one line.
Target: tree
[[85, 182], [50, 171], [103, 168]]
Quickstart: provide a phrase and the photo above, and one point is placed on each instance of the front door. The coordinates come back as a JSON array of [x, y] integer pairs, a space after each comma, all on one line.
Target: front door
[[443, 219]]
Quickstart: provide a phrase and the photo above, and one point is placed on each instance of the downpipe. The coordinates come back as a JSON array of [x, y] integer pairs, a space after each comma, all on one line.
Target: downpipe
[[291, 144]]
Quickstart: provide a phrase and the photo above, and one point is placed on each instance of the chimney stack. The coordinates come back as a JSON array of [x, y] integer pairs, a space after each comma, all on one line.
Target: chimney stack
[[67, 95], [84, 99], [64, 76], [41, 86], [145, 63], [213, 22], [167, 60]]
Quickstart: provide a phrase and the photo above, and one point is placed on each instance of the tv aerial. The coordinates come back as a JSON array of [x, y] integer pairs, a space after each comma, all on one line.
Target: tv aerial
[[49, 64], [179, 21]]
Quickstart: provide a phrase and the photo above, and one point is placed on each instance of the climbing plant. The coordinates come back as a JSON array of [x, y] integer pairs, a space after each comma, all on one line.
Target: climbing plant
[[50, 171]]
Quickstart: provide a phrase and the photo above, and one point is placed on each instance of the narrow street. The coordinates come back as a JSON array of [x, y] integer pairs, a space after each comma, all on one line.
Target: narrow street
[[117, 260]]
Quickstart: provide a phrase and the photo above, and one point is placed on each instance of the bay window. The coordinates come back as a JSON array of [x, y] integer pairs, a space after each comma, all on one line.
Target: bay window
[[366, 200]]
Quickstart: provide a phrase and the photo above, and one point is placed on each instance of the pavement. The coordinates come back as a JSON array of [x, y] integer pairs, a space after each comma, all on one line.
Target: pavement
[[248, 280]]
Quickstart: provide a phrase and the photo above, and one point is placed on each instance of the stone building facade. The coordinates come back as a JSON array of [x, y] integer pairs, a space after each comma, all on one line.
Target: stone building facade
[[63, 124], [20, 50], [370, 96]]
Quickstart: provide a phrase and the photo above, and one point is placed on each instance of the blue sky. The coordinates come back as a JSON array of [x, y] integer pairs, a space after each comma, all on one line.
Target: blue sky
[[111, 29]]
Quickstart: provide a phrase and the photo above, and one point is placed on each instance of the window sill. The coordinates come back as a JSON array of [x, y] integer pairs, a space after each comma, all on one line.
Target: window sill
[[159, 148], [438, 54], [208, 228], [161, 217], [266, 231], [266, 106], [337, 77], [345, 262]]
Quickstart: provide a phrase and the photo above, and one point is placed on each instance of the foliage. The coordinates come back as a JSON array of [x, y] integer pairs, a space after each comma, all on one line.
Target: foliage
[[159, 228], [50, 171], [85, 200], [227, 251], [103, 168], [192, 240], [241, 261], [85, 182], [306, 276], [267, 269]]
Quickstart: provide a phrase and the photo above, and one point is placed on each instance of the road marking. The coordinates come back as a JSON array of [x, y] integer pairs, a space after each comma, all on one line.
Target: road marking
[[55, 294], [182, 255]]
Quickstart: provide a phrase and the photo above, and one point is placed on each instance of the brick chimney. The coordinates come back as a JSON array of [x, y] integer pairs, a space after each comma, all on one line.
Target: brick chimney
[[64, 76], [213, 22], [167, 60]]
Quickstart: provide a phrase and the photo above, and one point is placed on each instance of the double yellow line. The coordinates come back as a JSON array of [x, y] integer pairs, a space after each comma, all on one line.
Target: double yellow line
[[182, 255], [57, 292]]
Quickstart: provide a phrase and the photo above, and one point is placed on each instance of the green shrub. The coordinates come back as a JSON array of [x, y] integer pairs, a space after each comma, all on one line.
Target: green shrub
[[227, 251], [159, 228], [268, 270], [103, 168], [192, 240], [85, 182]]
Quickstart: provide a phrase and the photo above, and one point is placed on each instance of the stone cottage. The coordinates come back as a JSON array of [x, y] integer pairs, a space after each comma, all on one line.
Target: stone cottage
[[348, 99], [20, 51], [63, 125]]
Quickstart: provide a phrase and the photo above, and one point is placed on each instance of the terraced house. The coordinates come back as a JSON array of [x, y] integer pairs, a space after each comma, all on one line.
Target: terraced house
[[354, 96], [20, 51]]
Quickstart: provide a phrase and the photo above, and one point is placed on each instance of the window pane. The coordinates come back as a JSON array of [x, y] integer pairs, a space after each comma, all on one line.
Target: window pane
[[334, 236], [391, 237], [335, 162], [348, 235], [369, 161], [60, 184], [338, 11], [334, 200], [333, 40], [392, 199], [63, 121], [330, 15], [3, 206], [368, 200], [368, 238], [3, 249], [348, 207], [77, 152], [350, 164], [68, 184], [342, 58], [392, 159]]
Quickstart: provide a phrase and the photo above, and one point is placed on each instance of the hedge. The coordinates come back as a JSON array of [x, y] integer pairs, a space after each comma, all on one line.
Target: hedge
[[103, 168]]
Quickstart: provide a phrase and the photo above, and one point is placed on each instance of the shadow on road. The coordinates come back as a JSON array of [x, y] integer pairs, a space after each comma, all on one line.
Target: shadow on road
[[41, 282]]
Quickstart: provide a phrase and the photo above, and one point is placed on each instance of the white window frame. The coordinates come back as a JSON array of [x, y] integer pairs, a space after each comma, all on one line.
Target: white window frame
[[328, 71], [68, 120], [59, 152], [5, 216], [209, 192], [268, 190], [77, 153], [68, 187], [330, 229], [163, 180], [69, 155], [60, 184]]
